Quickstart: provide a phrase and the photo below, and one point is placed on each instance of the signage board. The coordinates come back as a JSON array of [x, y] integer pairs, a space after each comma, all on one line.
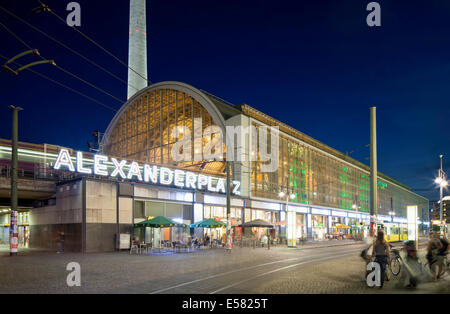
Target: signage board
[[124, 241], [412, 223]]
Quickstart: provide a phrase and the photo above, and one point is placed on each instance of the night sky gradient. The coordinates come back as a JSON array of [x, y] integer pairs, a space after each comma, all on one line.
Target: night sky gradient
[[314, 65]]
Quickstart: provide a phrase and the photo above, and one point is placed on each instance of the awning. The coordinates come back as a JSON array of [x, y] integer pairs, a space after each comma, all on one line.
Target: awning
[[341, 226]]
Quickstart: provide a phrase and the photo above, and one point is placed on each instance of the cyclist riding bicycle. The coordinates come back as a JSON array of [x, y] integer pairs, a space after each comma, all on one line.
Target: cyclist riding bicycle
[[435, 261], [441, 255], [412, 268], [410, 247]]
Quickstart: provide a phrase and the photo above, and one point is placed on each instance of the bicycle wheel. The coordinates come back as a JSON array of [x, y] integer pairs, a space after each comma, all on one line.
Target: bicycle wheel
[[395, 266]]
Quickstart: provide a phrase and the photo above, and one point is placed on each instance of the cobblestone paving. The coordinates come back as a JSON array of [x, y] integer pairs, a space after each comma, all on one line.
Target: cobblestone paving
[[121, 272], [319, 270], [344, 275]]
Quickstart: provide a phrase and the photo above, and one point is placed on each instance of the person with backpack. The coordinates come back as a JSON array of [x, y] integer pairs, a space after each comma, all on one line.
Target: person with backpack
[[441, 255], [382, 254], [433, 248]]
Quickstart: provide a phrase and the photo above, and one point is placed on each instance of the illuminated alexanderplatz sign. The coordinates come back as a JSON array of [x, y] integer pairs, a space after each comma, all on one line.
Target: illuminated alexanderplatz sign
[[101, 166]]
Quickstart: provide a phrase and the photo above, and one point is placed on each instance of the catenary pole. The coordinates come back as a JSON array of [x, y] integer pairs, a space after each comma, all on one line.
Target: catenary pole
[[441, 175], [373, 167], [13, 231], [228, 231]]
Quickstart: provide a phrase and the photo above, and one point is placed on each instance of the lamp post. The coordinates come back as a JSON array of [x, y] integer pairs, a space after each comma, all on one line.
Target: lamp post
[[228, 244], [373, 167], [392, 214], [442, 183]]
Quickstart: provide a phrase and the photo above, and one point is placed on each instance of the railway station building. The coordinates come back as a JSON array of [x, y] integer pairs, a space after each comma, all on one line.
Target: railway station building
[[313, 193]]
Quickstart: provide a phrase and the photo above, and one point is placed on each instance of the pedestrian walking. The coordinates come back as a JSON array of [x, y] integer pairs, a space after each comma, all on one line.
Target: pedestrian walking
[[435, 261], [441, 256], [229, 240], [366, 254], [382, 254], [369, 242], [60, 242]]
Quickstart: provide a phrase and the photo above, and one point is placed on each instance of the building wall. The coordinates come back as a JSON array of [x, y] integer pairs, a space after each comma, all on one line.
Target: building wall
[[241, 165], [46, 236], [317, 178], [46, 223], [101, 204], [436, 214], [102, 223]]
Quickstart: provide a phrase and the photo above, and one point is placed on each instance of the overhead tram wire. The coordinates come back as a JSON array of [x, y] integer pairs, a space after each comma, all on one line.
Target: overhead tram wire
[[62, 69], [92, 41], [66, 47], [15, 36], [88, 83], [65, 86]]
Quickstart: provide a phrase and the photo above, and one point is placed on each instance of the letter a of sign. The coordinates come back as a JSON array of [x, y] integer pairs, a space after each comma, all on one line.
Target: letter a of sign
[[73, 278], [74, 17], [374, 17], [374, 277]]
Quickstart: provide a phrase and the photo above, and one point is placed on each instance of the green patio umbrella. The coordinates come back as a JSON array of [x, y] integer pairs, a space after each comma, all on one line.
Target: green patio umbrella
[[159, 222], [208, 223]]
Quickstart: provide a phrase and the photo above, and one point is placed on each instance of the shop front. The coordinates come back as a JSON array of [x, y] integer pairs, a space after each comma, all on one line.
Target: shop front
[[339, 229], [219, 213], [214, 207], [319, 227], [300, 224], [176, 211], [319, 223], [269, 212], [266, 215]]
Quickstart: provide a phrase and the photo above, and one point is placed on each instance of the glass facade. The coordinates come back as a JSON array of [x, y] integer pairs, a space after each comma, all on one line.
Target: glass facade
[[316, 178], [314, 172], [143, 132], [220, 213]]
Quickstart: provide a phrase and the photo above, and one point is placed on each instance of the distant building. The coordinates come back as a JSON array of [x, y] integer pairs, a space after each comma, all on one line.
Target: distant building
[[435, 214]]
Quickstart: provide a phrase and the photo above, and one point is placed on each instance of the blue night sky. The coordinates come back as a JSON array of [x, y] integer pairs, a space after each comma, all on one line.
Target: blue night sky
[[314, 65]]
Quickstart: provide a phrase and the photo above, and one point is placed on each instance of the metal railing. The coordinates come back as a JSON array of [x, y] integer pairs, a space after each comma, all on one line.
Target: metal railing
[[38, 172]]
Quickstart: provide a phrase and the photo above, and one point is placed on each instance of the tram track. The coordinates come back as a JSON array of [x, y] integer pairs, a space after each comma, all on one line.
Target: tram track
[[218, 282]]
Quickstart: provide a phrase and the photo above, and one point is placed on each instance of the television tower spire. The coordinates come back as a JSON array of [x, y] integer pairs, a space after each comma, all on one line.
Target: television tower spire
[[137, 48]]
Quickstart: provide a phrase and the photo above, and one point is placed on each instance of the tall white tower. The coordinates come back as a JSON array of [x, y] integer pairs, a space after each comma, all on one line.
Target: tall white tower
[[137, 48]]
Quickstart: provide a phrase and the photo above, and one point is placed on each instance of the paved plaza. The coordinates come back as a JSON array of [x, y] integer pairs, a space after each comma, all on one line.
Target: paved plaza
[[308, 269]]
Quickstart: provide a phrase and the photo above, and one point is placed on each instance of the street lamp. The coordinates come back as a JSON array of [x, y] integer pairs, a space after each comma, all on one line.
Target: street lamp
[[392, 214], [442, 182], [290, 196]]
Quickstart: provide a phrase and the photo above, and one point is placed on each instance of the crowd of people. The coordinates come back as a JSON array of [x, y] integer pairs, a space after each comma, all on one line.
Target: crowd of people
[[437, 250], [413, 270]]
